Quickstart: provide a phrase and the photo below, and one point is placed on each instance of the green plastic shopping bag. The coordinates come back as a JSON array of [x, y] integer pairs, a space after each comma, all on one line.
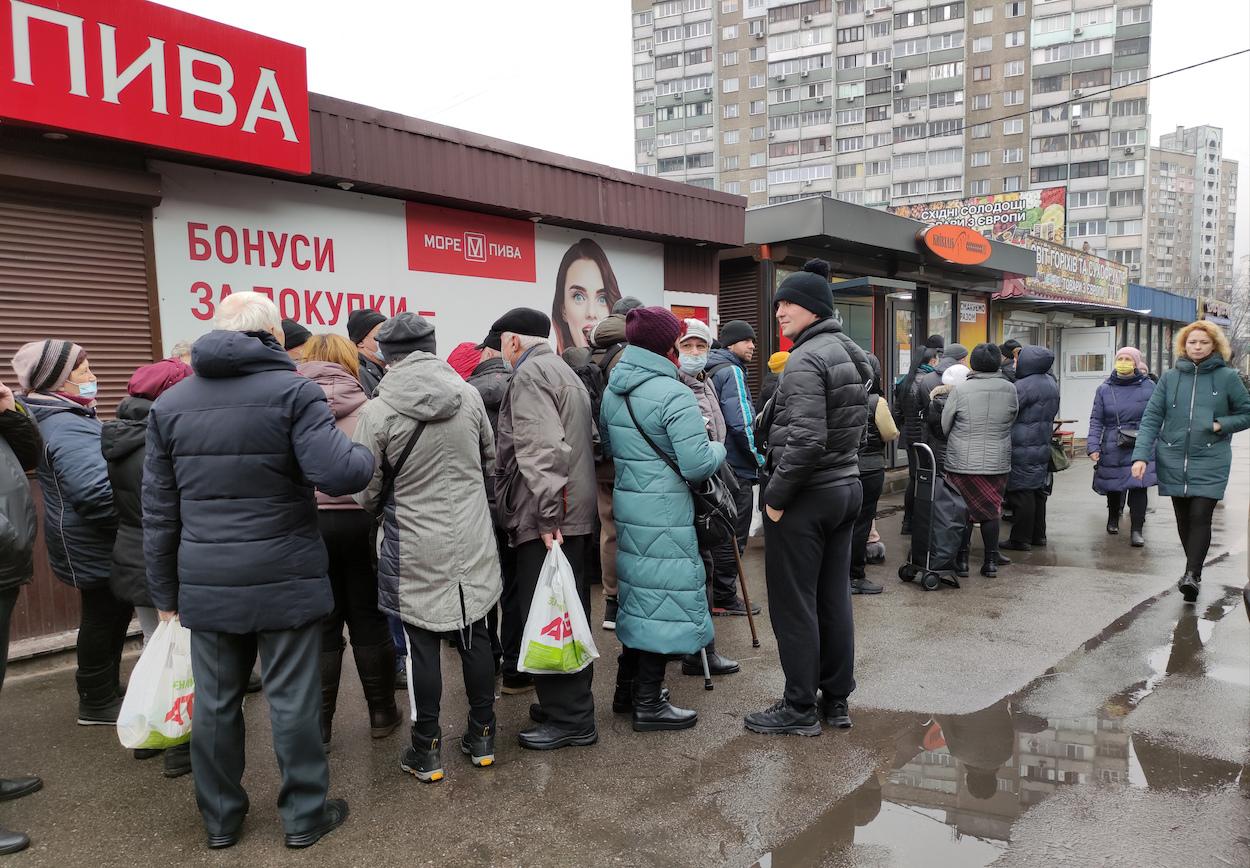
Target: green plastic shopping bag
[[557, 638], [160, 697]]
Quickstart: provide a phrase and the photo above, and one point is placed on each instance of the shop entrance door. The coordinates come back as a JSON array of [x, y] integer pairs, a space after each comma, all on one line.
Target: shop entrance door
[[1087, 356]]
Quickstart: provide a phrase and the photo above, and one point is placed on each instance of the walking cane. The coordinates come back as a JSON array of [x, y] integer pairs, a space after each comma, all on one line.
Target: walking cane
[[746, 599], [707, 673]]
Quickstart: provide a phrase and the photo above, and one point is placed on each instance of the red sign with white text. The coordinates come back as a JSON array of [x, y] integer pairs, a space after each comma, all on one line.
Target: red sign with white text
[[139, 72], [447, 241]]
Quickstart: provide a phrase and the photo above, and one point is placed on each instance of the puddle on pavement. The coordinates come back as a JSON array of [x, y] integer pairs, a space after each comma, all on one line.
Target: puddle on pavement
[[956, 784]]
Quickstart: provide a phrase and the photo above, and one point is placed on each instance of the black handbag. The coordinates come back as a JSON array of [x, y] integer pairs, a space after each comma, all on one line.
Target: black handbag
[[715, 514], [1125, 438]]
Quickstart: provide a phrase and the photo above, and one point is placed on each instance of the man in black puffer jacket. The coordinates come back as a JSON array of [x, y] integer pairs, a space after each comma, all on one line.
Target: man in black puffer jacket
[[232, 548], [811, 503]]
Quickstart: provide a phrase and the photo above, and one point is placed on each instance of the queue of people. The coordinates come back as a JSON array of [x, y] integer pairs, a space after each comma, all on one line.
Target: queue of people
[[283, 486]]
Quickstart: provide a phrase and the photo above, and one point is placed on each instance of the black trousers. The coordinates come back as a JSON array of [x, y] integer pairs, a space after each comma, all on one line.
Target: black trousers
[[645, 668], [8, 602], [724, 564], [101, 636], [807, 556], [1029, 509], [221, 664], [425, 674], [1136, 498], [507, 570], [1193, 521], [565, 698], [873, 483], [346, 533]]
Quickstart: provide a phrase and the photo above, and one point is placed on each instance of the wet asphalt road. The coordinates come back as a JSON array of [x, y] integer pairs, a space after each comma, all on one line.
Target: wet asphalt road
[[1071, 712]]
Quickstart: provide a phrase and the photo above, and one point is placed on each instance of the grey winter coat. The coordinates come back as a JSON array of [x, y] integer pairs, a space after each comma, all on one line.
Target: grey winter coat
[[20, 446], [438, 567], [977, 420], [545, 464], [709, 405]]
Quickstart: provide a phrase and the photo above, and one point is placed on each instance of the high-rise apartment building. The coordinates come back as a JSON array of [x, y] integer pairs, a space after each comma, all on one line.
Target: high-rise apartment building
[[899, 102], [1193, 208]]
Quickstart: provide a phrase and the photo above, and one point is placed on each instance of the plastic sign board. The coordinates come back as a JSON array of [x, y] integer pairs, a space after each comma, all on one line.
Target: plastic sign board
[[957, 245], [1001, 216], [447, 241], [138, 72]]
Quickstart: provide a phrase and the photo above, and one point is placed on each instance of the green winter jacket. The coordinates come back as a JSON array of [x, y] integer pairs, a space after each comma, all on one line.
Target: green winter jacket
[[663, 604], [1192, 459]]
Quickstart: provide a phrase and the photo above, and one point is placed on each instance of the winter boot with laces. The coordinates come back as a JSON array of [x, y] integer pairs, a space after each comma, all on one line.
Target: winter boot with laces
[[478, 743], [423, 758]]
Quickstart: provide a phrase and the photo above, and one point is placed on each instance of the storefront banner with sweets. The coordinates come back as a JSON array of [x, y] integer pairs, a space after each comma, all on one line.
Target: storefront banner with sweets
[[1002, 216], [322, 253], [1065, 273]]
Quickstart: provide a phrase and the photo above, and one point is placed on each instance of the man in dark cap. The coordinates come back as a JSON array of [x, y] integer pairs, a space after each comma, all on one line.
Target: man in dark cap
[[953, 354], [1010, 349], [935, 342], [812, 499], [625, 305], [727, 368], [362, 330], [296, 337], [545, 490]]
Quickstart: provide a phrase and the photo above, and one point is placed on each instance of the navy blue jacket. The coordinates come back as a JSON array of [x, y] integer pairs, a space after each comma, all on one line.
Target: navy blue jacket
[[229, 518], [122, 444], [1038, 394], [744, 457], [1118, 403], [79, 520]]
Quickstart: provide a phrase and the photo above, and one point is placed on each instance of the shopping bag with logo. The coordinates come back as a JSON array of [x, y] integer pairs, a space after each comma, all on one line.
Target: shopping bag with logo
[[557, 638], [156, 712]]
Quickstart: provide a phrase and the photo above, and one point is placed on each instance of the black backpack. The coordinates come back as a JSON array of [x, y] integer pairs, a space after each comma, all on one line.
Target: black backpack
[[594, 377]]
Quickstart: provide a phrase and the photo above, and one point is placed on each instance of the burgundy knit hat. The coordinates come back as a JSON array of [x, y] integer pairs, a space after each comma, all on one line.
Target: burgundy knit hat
[[654, 329], [464, 359], [151, 381], [44, 366]]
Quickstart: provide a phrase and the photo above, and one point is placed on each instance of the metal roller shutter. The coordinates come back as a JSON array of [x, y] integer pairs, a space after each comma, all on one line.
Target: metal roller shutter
[[739, 299], [78, 273]]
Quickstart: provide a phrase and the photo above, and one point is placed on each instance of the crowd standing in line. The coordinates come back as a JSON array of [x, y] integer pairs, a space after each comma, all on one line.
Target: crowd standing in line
[[269, 506]]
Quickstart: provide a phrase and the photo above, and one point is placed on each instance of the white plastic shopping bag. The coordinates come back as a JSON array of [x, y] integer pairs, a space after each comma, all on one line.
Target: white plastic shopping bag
[[156, 712], [557, 638]]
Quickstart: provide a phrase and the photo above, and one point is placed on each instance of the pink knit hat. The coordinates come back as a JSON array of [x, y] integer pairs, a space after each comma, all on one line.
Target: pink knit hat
[[44, 366], [464, 359], [1135, 355]]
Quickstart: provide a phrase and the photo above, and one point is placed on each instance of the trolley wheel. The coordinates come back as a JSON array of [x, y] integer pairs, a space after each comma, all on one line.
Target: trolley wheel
[[930, 581], [907, 573]]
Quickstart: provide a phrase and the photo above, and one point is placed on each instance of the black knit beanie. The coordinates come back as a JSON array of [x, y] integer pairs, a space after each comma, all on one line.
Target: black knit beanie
[[986, 359], [809, 289]]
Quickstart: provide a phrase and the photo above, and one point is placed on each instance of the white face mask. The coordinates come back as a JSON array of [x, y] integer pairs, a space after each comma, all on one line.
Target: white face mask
[[692, 365]]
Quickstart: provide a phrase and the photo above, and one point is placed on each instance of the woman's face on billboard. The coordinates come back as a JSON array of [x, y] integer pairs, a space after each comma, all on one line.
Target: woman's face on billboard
[[585, 300]]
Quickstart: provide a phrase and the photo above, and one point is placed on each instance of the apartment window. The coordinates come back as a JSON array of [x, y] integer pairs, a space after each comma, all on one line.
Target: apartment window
[[730, 32], [756, 27], [1086, 228], [729, 58], [908, 47], [701, 55], [982, 101], [1091, 78], [982, 73], [1013, 126], [945, 99], [877, 58], [757, 54], [946, 157], [1013, 155], [671, 164], [644, 44], [909, 132], [643, 71], [983, 16], [730, 110], [850, 116], [850, 7], [850, 61], [1088, 199], [642, 19], [877, 113], [1124, 227], [758, 159], [665, 35], [1013, 97], [730, 137], [1013, 68], [728, 6], [946, 128], [852, 143], [1013, 39], [758, 133], [1128, 168], [730, 163], [877, 167], [877, 85], [1046, 174], [1126, 107], [855, 197], [784, 13], [759, 185], [879, 30], [946, 12], [911, 19], [875, 196], [850, 34], [1012, 184], [946, 70], [1094, 17], [729, 85], [910, 161], [911, 188], [1052, 24], [953, 184], [847, 172], [1127, 76], [783, 95], [1090, 139], [1134, 15], [1127, 257], [756, 81], [668, 61], [981, 131], [644, 97], [979, 158], [1050, 84], [1051, 114], [1128, 138], [758, 107], [982, 43], [943, 41], [878, 140], [979, 188], [1016, 10], [1049, 144], [1092, 169]]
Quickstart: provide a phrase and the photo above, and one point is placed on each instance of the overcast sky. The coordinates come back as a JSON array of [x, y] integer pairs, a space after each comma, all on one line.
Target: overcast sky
[[556, 74]]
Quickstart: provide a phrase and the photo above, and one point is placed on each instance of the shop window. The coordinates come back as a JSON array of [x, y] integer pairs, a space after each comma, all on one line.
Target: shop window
[[940, 314], [1087, 363]]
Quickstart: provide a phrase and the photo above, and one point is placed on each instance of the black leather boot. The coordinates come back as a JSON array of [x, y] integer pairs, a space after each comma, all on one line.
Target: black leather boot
[[717, 664], [961, 563], [1136, 539], [1189, 586], [376, 665], [1113, 521], [478, 743], [423, 759], [989, 568], [653, 713], [331, 670], [12, 842]]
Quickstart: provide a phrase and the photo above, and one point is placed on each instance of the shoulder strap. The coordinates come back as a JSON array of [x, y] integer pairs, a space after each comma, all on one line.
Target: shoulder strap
[[719, 366], [610, 356], [391, 472], [1115, 405], [654, 448]]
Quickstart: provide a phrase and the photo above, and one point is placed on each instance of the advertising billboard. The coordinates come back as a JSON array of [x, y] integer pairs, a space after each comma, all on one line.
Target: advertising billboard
[[322, 253], [1002, 217], [1064, 273]]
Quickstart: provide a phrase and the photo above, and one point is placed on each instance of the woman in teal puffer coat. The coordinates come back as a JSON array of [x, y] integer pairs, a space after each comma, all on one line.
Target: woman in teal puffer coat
[[1189, 425], [663, 605]]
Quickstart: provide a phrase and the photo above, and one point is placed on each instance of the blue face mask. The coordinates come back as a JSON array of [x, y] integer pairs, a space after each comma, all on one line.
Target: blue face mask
[[692, 365], [381, 355], [88, 390]]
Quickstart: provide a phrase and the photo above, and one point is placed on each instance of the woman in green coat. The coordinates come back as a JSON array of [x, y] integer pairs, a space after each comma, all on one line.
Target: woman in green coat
[[663, 609], [1188, 427]]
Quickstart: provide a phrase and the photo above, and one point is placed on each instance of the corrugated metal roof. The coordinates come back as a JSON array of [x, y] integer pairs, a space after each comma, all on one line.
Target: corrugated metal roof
[[401, 156]]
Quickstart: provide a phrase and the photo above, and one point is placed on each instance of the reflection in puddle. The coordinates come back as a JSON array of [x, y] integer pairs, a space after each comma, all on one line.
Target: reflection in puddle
[[956, 784]]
